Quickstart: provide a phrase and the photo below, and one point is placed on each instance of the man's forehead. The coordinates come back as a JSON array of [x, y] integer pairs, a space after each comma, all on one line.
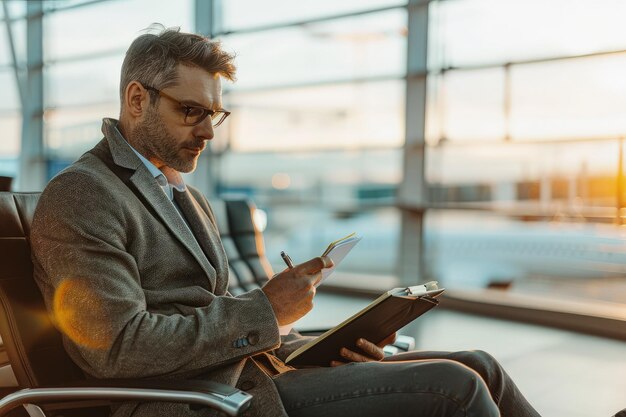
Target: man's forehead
[[199, 85], [197, 77]]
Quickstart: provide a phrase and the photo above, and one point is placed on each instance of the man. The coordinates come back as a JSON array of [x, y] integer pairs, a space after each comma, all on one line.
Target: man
[[130, 263]]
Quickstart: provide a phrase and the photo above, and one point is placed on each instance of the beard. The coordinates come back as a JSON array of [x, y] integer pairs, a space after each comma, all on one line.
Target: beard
[[153, 140]]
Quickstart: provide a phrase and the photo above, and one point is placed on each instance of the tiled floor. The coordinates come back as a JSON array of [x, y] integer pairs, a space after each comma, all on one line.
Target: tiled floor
[[563, 374]]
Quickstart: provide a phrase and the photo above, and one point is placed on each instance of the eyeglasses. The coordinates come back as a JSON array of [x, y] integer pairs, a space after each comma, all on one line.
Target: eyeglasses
[[195, 114]]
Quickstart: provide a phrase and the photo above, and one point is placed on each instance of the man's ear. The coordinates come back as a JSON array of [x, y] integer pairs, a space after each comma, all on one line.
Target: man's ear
[[136, 99]]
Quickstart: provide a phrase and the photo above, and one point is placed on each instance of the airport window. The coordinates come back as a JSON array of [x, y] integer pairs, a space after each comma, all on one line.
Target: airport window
[[484, 32], [524, 163], [106, 27], [10, 105], [511, 143], [81, 76], [359, 47], [17, 9], [588, 103], [10, 123], [461, 103], [5, 52], [245, 14], [323, 130], [322, 117], [83, 82]]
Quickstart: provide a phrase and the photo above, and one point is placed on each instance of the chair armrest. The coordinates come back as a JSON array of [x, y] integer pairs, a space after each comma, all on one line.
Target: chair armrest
[[206, 393]]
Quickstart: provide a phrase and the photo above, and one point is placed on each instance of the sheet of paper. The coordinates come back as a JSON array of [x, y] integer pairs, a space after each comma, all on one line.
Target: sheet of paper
[[337, 253]]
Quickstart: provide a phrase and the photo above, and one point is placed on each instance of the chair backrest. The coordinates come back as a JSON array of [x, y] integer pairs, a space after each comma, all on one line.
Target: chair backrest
[[243, 243], [5, 183], [33, 345]]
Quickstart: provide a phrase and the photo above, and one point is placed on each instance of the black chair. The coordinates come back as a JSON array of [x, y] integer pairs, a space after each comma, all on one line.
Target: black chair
[[48, 381], [243, 244], [5, 183]]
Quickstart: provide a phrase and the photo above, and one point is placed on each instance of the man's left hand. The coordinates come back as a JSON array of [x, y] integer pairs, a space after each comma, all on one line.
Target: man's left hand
[[370, 352]]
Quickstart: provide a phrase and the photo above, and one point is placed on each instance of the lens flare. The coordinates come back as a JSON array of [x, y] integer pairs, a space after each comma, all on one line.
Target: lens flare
[[78, 313]]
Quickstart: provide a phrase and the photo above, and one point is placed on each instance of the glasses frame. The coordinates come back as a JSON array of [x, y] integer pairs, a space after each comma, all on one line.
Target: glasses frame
[[187, 109]]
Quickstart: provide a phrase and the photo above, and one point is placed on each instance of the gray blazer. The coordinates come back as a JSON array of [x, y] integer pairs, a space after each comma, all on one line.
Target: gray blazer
[[136, 294]]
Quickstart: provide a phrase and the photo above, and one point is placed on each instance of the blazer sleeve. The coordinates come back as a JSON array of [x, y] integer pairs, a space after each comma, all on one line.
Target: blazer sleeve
[[92, 288]]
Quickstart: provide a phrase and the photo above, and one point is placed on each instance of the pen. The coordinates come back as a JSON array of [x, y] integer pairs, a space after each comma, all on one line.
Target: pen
[[287, 259]]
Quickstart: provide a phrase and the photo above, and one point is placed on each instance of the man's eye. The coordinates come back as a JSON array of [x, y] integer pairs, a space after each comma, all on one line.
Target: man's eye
[[194, 111]]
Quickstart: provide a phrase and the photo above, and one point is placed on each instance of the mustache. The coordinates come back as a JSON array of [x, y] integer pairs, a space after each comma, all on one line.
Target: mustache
[[196, 145]]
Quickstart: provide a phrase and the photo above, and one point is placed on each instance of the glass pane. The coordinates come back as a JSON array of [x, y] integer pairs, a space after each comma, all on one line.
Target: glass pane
[[59, 4], [361, 46], [18, 29], [5, 51], [557, 180], [68, 133], [312, 198], [121, 22], [471, 106], [17, 8], [347, 116], [9, 99], [19, 37], [239, 14], [77, 83], [509, 30], [589, 102], [11, 128], [562, 259]]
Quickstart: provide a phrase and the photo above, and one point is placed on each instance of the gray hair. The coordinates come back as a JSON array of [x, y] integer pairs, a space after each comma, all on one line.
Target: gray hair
[[153, 59]]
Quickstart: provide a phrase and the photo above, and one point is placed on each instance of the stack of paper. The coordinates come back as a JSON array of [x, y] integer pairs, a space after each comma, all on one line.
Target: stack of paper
[[336, 251]]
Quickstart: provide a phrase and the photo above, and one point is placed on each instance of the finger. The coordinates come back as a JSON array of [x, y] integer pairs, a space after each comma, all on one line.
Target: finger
[[297, 277], [286, 271], [336, 363], [328, 263], [318, 278], [315, 265], [371, 349], [354, 356]]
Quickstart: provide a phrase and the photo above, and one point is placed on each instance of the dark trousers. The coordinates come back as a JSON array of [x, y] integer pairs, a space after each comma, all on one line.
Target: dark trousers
[[419, 384]]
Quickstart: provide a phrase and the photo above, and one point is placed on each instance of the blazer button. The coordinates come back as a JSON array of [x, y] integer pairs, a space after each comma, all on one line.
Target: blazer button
[[253, 338], [246, 385]]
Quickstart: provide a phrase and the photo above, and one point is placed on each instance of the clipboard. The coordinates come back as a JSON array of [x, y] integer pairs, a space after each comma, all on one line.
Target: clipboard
[[385, 315]]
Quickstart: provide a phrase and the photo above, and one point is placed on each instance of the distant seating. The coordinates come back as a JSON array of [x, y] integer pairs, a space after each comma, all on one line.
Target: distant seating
[[5, 183]]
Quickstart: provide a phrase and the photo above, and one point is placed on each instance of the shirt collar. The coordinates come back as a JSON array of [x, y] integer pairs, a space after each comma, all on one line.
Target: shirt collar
[[167, 180]]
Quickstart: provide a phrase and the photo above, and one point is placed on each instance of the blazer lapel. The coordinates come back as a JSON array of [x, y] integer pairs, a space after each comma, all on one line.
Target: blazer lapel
[[157, 199], [207, 236], [147, 186]]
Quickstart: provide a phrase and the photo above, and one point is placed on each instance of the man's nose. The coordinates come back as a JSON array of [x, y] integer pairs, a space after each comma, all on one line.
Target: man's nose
[[204, 129]]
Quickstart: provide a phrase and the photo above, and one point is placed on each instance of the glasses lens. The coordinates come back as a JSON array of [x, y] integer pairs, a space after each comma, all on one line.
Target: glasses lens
[[195, 115]]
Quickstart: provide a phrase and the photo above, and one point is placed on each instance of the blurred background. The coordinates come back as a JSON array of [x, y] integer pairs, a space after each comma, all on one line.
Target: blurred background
[[476, 142]]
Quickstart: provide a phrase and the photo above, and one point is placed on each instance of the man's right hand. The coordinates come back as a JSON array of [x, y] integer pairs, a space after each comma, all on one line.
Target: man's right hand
[[291, 291]]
